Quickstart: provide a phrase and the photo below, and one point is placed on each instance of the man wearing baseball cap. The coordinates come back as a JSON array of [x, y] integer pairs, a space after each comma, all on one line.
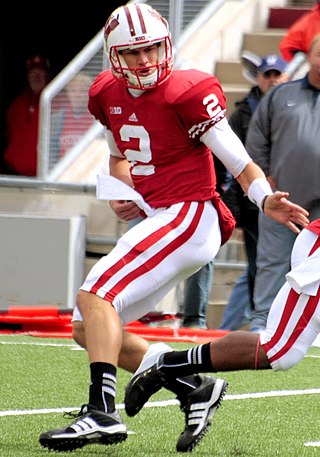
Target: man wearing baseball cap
[[272, 62], [265, 72], [270, 72]]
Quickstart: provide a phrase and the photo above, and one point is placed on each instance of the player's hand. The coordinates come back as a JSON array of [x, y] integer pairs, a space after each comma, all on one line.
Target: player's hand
[[125, 210], [279, 208]]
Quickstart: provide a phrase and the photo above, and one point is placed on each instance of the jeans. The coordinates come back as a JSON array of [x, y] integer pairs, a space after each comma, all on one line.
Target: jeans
[[238, 308], [196, 297], [240, 304], [250, 235]]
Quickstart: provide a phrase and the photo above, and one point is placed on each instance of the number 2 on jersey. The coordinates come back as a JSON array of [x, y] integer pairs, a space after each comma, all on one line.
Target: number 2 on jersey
[[143, 154]]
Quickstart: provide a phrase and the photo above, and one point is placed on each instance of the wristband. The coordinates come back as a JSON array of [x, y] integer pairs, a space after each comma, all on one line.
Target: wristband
[[258, 190]]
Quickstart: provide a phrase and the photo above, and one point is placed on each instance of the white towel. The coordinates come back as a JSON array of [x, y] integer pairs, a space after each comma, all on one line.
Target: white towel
[[110, 188]]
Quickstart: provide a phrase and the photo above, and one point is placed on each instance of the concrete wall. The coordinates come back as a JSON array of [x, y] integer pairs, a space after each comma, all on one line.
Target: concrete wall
[[42, 260]]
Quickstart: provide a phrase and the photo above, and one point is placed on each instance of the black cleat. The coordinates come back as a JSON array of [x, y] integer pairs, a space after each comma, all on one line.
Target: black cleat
[[199, 409], [140, 388], [91, 427]]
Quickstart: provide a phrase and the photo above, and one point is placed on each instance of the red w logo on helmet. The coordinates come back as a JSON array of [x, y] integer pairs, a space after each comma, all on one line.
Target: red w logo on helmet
[[111, 24]]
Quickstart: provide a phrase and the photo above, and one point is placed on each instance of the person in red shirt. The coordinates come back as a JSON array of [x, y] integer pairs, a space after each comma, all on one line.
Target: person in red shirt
[[300, 35], [162, 126], [22, 120]]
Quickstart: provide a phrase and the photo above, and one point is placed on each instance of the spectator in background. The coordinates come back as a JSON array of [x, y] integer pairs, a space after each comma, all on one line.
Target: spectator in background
[[284, 138], [266, 72], [22, 120], [72, 119], [300, 35]]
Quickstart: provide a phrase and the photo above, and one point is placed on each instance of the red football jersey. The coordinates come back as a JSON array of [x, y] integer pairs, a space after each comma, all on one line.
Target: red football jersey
[[159, 133]]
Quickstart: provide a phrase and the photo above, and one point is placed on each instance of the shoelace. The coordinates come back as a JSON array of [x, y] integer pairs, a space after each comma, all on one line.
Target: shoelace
[[75, 414], [71, 414]]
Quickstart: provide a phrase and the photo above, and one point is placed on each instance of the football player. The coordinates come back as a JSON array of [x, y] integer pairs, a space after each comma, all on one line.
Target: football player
[[163, 125], [292, 326]]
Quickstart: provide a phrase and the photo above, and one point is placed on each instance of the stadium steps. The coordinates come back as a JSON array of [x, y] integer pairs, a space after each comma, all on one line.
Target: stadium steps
[[262, 42], [229, 73]]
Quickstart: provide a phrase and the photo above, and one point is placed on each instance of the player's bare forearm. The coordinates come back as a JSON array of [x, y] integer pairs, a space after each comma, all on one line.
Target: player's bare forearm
[[279, 208], [251, 172], [125, 210], [120, 169]]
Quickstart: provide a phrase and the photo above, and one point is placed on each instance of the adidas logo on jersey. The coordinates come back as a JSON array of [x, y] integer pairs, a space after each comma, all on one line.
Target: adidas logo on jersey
[[133, 118]]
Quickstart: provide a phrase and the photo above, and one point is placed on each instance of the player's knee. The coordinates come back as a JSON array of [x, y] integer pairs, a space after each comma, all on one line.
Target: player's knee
[[78, 334], [81, 298], [288, 361]]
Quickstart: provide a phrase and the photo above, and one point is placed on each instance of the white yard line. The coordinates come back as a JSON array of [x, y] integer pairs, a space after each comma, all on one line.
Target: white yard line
[[154, 404], [31, 343], [313, 443]]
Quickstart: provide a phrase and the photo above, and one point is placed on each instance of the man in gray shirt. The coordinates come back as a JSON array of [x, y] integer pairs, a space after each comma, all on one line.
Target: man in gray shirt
[[284, 139]]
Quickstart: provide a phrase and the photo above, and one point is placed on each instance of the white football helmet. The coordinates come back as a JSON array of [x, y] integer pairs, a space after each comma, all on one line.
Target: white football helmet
[[133, 26]]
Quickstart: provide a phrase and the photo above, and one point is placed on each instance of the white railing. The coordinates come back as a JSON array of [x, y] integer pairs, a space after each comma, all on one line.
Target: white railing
[[90, 60]]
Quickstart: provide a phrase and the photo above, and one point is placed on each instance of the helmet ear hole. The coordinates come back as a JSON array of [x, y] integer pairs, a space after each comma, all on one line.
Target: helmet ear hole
[[135, 26]]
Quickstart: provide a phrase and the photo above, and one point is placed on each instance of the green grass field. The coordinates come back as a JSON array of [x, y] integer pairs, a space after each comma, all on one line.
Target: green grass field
[[264, 414]]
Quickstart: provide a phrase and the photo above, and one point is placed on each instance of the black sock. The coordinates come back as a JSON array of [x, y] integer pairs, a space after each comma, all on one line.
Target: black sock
[[102, 390], [183, 363], [182, 386]]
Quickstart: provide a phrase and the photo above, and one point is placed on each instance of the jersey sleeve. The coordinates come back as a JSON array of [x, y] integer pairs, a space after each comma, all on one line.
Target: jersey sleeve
[[202, 104], [114, 150], [225, 145], [94, 105]]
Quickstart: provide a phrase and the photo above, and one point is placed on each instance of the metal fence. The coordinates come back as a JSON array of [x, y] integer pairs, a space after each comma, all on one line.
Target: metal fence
[[65, 126]]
